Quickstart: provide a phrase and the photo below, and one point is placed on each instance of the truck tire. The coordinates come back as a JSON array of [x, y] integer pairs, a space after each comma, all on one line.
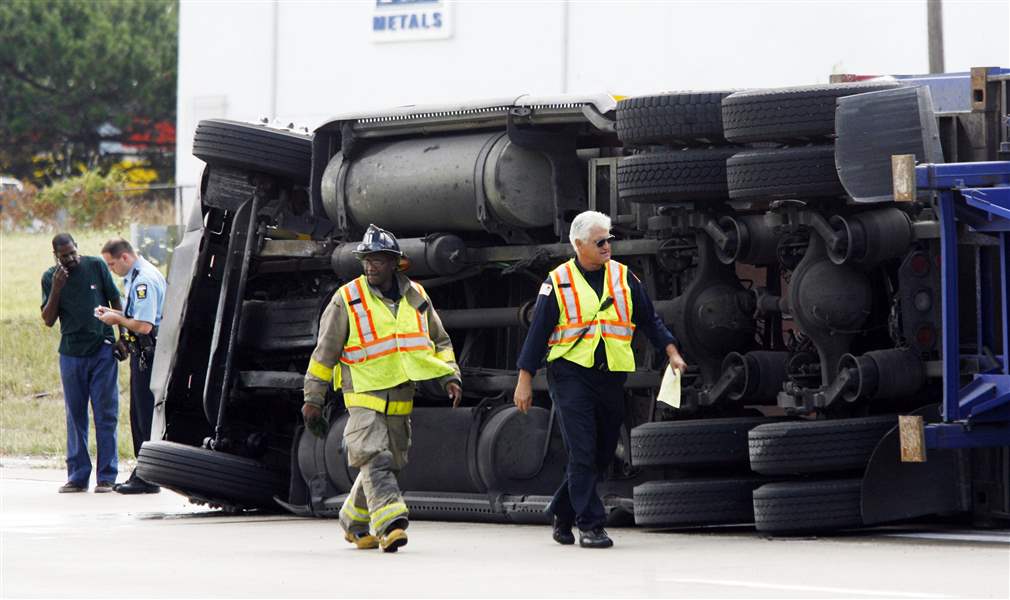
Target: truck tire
[[798, 507], [784, 114], [216, 478], [674, 176], [674, 503], [694, 443], [510, 448], [803, 172], [679, 117], [335, 456], [800, 447], [254, 148]]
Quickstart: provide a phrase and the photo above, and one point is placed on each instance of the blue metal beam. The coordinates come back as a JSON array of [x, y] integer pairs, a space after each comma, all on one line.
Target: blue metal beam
[[1004, 258], [948, 307], [994, 203], [983, 300], [985, 398], [955, 176], [977, 415], [955, 435]]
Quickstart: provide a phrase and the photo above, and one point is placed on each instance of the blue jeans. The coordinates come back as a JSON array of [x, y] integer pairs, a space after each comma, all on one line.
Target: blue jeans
[[590, 407], [94, 377]]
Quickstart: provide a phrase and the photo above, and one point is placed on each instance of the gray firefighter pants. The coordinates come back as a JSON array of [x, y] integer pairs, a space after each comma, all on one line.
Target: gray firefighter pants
[[377, 445]]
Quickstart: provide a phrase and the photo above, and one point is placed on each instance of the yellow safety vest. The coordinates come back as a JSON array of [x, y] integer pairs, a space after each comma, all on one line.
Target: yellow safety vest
[[581, 323], [383, 351]]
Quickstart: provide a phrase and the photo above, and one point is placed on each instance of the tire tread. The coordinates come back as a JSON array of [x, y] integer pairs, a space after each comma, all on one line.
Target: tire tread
[[675, 117], [784, 114]]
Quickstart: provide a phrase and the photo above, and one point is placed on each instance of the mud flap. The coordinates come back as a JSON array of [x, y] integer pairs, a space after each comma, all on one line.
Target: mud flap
[[299, 510], [875, 126], [893, 490], [297, 490]]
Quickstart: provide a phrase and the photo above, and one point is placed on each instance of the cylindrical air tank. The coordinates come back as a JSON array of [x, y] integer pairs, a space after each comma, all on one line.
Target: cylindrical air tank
[[440, 183]]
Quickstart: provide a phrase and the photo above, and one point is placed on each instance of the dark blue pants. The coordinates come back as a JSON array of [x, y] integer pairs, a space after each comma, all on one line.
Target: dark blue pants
[[141, 402], [94, 378], [590, 407]]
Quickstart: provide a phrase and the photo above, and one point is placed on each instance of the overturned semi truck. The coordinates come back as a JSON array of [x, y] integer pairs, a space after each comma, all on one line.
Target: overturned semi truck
[[810, 299]]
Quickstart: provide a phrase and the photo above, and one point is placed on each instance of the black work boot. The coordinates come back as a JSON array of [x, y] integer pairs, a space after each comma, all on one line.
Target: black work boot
[[563, 533], [595, 538], [136, 485]]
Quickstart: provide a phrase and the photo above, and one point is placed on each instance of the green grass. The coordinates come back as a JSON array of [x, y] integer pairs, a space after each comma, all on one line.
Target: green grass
[[24, 257], [32, 417]]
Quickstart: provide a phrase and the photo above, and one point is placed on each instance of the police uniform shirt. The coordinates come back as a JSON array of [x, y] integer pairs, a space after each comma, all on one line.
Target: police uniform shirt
[[145, 292]]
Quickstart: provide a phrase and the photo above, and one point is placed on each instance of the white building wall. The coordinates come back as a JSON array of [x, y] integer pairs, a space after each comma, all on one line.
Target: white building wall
[[325, 61]]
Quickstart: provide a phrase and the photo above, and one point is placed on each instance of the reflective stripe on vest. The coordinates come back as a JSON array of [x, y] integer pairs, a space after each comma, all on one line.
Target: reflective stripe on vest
[[582, 323], [617, 285], [422, 324], [569, 295], [357, 303], [383, 346], [384, 350], [572, 331]]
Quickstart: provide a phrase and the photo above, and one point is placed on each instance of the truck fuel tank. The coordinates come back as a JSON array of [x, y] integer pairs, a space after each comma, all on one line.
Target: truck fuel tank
[[443, 183]]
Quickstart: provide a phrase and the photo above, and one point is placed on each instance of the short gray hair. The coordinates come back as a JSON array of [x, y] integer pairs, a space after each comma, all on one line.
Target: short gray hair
[[584, 222]]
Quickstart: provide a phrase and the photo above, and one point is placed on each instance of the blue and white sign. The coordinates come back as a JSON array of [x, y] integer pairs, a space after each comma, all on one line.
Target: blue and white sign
[[408, 20]]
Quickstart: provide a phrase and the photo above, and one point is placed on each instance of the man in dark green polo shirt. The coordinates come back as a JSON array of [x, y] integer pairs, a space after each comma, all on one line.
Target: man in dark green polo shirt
[[71, 290]]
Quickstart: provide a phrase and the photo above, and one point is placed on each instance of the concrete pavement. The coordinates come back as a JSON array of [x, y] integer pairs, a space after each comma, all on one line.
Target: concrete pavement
[[108, 545]]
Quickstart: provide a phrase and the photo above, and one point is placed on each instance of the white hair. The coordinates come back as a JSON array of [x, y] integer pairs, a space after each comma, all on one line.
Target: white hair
[[584, 222]]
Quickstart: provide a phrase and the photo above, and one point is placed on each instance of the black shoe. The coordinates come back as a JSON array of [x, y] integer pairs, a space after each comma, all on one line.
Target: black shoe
[[136, 485], [563, 533], [595, 538]]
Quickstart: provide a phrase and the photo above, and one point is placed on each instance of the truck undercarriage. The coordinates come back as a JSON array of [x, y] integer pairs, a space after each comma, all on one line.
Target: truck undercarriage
[[808, 299]]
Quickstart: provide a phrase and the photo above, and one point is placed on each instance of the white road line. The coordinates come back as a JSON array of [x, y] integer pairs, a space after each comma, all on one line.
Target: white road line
[[801, 588], [986, 537]]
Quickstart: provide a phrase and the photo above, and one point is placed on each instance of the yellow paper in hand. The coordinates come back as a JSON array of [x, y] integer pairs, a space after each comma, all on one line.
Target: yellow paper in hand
[[669, 390]]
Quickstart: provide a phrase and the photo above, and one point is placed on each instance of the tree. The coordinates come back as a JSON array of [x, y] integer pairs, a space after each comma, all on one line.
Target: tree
[[75, 74]]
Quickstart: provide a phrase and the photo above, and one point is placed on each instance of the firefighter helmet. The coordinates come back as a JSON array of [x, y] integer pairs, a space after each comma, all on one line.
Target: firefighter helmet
[[377, 240]]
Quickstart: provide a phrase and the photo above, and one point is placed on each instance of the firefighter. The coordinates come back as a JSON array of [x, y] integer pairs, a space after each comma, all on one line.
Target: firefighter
[[583, 320], [378, 335]]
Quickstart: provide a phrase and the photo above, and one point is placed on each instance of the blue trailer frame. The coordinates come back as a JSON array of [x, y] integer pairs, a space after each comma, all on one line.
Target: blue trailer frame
[[976, 195]]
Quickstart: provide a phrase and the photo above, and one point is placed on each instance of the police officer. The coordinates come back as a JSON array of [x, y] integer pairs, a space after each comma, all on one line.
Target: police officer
[[378, 335], [138, 325], [583, 320]]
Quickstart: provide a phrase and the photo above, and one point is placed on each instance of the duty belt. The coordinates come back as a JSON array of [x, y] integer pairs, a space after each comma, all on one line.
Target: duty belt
[[142, 345]]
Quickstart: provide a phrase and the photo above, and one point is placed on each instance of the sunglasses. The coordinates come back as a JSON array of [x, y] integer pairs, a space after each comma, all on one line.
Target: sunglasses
[[600, 242]]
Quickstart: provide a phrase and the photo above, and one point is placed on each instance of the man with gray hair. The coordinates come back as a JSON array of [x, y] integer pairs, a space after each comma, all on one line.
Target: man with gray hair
[[584, 318]]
